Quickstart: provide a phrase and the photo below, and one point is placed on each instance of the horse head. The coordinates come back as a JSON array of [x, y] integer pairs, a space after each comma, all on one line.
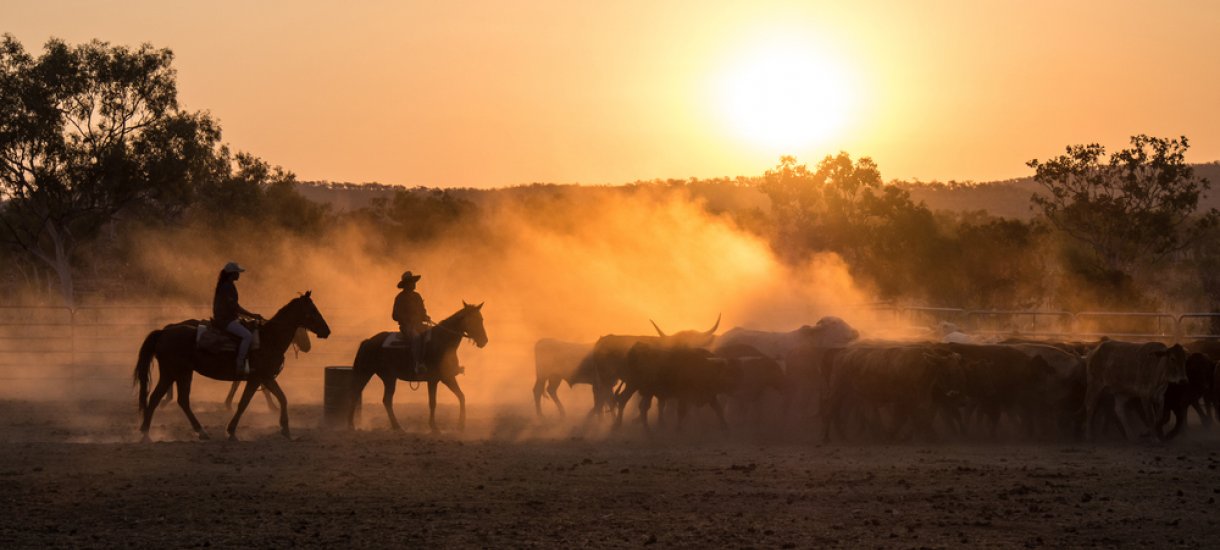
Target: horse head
[[472, 323], [311, 319]]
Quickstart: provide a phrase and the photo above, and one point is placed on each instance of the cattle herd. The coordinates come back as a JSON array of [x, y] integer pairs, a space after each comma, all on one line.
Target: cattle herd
[[824, 379]]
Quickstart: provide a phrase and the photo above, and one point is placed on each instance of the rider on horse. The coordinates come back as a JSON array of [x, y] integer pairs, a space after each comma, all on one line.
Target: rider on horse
[[227, 313], [412, 319]]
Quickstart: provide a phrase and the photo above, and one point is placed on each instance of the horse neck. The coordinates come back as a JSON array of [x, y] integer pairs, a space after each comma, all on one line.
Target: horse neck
[[278, 332], [449, 336]]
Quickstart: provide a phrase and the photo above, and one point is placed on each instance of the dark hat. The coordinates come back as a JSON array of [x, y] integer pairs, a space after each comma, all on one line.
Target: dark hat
[[408, 278]]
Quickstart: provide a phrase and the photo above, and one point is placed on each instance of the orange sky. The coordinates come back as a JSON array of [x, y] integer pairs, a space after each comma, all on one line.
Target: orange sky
[[500, 93]]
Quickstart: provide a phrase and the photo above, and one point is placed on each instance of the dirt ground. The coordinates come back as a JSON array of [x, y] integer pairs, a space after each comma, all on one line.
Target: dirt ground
[[74, 475]]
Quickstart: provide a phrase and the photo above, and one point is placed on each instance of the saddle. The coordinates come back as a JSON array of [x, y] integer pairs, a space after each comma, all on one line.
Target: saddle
[[396, 340], [218, 340]]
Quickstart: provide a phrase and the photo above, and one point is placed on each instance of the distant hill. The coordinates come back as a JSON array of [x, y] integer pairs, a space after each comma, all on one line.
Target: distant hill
[[1009, 198]]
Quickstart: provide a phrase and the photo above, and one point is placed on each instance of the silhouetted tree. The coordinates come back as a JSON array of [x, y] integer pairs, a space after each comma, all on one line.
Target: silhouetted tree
[[86, 133], [1131, 210]]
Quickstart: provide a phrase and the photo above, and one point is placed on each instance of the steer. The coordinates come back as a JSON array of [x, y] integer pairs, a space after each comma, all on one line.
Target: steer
[[555, 361], [601, 368], [1064, 388], [760, 375], [1200, 380], [1133, 371], [999, 380], [909, 381], [689, 375]]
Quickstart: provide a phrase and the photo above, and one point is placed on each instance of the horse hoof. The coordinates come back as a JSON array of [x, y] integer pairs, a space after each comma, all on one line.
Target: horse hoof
[[145, 439], [233, 437], [204, 436], [286, 435]]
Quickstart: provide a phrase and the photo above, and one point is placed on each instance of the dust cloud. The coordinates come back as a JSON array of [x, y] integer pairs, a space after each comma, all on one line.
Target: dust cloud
[[558, 268]]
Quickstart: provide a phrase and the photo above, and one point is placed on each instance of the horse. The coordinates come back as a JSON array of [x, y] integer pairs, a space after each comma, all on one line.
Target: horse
[[439, 359], [175, 350], [300, 340]]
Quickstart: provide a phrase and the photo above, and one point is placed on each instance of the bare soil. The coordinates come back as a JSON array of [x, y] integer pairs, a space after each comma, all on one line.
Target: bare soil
[[74, 475]]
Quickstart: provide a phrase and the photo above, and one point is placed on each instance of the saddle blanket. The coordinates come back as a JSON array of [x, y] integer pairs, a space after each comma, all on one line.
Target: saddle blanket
[[396, 340], [220, 341]]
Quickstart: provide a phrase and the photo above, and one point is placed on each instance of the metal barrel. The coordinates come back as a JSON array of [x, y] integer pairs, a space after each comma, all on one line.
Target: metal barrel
[[336, 396]]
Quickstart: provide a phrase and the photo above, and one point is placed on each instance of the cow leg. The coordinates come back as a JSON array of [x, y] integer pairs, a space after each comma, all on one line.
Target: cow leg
[[271, 387], [1092, 396], [1120, 410], [719, 410], [184, 401], [645, 403], [539, 383], [452, 384], [1152, 413], [552, 389], [432, 406], [1201, 410], [620, 402], [682, 409], [387, 399], [661, 403], [360, 379]]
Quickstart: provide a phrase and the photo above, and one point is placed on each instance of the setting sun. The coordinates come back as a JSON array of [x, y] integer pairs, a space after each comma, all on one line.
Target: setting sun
[[784, 96]]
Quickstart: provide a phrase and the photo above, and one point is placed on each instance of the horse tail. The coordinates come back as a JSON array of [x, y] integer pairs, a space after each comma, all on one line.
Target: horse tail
[[144, 365]]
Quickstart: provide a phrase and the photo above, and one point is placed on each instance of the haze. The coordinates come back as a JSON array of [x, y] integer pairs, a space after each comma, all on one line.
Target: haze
[[499, 93]]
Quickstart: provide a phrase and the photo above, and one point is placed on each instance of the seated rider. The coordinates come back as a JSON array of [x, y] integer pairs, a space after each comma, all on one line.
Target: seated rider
[[227, 313], [412, 319]]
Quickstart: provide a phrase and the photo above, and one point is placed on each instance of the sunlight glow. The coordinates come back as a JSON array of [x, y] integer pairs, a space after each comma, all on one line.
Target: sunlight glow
[[784, 96]]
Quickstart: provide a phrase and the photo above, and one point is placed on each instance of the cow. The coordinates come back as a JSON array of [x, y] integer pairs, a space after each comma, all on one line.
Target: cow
[[1133, 371], [828, 332], [907, 380], [689, 375], [800, 352], [601, 367], [998, 380], [760, 375], [1064, 389], [555, 361], [1200, 381]]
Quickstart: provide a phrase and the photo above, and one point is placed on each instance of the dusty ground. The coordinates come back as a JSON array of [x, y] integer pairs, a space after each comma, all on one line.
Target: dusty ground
[[74, 476]]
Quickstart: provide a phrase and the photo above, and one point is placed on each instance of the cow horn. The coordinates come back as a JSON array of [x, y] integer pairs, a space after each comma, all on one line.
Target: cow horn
[[659, 331], [715, 326]]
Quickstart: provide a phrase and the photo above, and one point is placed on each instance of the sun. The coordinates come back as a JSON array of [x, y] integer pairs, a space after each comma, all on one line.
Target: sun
[[783, 96]]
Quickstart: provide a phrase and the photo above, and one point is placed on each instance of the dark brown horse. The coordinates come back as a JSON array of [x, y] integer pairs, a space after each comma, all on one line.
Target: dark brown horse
[[440, 360], [178, 360]]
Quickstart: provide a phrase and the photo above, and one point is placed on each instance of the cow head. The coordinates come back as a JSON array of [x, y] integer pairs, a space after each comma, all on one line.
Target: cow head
[[688, 338], [1172, 361], [829, 332]]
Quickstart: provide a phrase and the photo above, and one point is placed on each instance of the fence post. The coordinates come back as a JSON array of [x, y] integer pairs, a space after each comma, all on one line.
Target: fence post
[[72, 352]]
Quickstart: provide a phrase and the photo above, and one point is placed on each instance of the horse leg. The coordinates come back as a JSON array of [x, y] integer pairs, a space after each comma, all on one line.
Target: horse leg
[[270, 402], [452, 384], [391, 383], [360, 379], [432, 406], [169, 395], [552, 388], [184, 401], [246, 395], [163, 384], [273, 388], [229, 398]]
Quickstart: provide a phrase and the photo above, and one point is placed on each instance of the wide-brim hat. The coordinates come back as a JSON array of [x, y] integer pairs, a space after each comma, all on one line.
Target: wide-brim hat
[[408, 278], [232, 267]]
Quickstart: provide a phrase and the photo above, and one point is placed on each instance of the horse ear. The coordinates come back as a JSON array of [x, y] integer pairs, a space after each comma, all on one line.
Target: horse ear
[[480, 306], [308, 292], [464, 304]]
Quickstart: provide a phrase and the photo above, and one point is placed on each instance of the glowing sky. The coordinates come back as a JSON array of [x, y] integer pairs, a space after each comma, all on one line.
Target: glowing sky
[[500, 93]]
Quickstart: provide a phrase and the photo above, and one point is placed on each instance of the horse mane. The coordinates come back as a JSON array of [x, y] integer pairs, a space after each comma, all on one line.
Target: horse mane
[[291, 303], [455, 317]]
